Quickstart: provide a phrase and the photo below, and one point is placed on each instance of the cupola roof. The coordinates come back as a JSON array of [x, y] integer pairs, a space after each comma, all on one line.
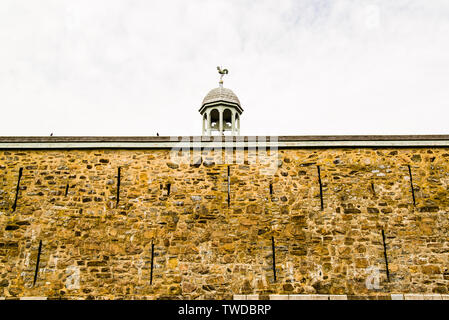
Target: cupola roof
[[221, 94]]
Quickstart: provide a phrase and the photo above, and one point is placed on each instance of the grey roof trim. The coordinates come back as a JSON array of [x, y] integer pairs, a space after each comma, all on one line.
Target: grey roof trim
[[220, 102], [209, 142]]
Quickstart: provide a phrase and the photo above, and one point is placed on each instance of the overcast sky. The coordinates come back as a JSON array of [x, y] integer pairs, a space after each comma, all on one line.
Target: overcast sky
[[299, 67]]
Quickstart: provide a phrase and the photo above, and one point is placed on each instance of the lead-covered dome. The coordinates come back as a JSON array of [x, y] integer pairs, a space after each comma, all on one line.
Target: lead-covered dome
[[220, 94]]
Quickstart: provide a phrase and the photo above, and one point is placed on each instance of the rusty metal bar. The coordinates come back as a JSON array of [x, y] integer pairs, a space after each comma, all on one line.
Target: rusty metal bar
[[152, 259], [411, 184], [17, 190], [321, 187], [118, 186], [37, 262], [385, 255], [274, 258]]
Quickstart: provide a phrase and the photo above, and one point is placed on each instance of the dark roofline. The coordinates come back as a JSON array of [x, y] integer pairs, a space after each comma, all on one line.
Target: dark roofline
[[124, 142], [62, 139]]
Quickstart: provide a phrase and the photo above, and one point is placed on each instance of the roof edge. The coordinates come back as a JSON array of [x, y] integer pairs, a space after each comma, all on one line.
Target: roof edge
[[92, 142], [209, 138]]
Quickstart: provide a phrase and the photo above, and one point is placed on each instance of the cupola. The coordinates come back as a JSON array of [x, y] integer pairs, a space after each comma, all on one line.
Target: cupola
[[221, 110]]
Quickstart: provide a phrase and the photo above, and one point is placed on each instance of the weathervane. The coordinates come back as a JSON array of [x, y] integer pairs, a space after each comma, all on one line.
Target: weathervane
[[222, 73]]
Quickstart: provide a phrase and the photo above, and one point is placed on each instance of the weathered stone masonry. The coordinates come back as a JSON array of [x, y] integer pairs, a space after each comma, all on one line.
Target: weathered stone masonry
[[94, 247]]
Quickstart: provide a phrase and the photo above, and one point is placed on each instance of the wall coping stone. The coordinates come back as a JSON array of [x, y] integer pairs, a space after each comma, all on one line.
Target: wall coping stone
[[139, 142]]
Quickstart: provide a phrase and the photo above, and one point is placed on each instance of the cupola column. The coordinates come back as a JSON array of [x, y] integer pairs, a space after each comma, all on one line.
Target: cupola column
[[208, 122], [204, 120], [233, 122], [221, 121], [238, 126]]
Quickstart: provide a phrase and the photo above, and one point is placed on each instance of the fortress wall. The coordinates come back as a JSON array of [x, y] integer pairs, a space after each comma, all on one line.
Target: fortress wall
[[204, 247]]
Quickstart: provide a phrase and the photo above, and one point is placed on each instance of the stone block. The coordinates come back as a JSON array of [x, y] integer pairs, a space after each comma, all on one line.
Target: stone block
[[338, 297], [308, 297], [433, 296], [413, 296], [279, 297]]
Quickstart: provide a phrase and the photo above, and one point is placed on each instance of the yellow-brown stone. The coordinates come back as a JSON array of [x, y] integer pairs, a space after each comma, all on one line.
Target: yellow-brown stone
[[205, 247]]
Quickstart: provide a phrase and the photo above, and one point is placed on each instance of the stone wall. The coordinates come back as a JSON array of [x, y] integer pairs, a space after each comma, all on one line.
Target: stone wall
[[210, 248]]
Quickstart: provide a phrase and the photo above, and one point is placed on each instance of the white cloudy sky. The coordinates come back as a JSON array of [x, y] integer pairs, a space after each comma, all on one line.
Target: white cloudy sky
[[299, 67]]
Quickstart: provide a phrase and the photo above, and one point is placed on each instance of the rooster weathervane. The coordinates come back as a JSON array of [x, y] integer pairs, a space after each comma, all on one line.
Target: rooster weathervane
[[222, 72]]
